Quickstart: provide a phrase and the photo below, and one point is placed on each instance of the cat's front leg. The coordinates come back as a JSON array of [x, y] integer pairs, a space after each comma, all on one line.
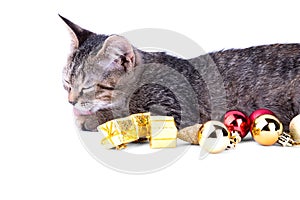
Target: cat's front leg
[[87, 122]]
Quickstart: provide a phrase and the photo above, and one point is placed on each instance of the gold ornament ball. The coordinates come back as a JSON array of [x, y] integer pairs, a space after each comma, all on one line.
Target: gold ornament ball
[[213, 136], [266, 129], [295, 129]]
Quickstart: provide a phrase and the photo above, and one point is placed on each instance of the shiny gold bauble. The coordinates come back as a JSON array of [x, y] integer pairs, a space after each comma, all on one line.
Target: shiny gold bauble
[[266, 129], [295, 129], [214, 137]]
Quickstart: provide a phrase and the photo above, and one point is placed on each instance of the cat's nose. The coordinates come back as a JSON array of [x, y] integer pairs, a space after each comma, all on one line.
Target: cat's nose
[[72, 98], [72, 102]]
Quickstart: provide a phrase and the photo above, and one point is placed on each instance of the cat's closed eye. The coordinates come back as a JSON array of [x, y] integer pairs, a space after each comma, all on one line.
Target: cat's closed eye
[[88, 89], [104, 87]]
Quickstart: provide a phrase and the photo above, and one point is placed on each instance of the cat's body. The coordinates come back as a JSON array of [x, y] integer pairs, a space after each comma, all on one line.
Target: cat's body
[[107, 78]]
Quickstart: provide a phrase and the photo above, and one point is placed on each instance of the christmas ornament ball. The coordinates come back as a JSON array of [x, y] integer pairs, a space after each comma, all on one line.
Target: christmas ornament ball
[[259, 112], [295, 129], [266, 129], [237, 121], [214, 137]]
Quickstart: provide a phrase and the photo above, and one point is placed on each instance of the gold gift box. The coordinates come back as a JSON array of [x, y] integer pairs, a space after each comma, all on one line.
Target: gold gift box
[[143, 124], [118, 133], [163, 132]]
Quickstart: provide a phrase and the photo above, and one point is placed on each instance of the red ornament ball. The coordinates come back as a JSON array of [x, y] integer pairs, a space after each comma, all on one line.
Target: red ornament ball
[[258, 113], [237, 121]]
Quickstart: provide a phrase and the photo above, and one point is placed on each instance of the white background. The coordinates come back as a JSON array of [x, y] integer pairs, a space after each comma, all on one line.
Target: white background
[[41, 154]]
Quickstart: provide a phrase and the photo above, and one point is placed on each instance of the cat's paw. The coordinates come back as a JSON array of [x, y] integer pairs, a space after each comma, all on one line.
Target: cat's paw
[[87, 122]]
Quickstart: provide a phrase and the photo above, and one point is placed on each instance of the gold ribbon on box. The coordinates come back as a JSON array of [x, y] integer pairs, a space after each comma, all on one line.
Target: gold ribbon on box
[[163, 132], [160, 130], [112, 136], [118, 133]]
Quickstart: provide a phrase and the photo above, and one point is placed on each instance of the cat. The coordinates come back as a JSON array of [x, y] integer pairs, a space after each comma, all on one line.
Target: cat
[[106, 77]]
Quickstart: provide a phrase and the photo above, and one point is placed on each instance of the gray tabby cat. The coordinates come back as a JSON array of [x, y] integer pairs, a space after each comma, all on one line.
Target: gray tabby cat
[[106, 78]]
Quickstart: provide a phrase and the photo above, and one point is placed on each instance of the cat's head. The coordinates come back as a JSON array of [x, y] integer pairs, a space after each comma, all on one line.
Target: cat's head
[[95, 66]]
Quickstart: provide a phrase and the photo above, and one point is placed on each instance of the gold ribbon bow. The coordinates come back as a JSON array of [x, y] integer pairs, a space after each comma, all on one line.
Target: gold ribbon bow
[[112, 137], [118, 133]]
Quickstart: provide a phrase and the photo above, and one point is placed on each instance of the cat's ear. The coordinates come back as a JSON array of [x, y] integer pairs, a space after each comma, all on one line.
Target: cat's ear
[[119, 50], [79, 35]]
